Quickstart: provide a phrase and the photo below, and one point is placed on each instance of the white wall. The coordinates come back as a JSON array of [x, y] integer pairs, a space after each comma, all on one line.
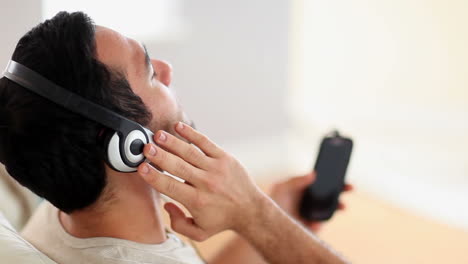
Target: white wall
[[231, 67], [16, 18], [231, 74]]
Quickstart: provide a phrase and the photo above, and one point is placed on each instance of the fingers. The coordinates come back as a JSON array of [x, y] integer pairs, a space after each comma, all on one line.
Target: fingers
[[302, 181], [182, 224], [182, 149], [341, 206], [314, 226], [172, 164], [199, 140], [348, 187], [164, 184]]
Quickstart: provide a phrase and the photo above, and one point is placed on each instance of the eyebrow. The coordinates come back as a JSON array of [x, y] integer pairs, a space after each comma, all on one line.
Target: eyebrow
[[147, 60]]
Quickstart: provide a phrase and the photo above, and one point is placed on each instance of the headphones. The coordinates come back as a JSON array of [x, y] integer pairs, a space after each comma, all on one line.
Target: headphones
[[123, 147]]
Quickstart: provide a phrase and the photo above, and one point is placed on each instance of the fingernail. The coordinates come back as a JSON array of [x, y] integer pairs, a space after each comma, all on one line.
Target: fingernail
[[144, 169], [162, 137], [152, 151], [180, 126]]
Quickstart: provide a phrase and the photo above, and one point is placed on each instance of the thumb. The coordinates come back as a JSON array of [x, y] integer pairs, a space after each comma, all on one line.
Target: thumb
[[302, 182], [184, 225], [314, 226]]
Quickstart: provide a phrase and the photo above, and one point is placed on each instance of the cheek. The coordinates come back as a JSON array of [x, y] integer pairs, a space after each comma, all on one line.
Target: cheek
[[162, 104]]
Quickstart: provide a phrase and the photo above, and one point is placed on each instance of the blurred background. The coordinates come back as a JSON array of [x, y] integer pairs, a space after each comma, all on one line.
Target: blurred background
[[267, 79]]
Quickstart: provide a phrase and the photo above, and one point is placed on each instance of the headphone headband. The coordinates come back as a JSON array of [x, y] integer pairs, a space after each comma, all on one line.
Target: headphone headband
[[36, 83]]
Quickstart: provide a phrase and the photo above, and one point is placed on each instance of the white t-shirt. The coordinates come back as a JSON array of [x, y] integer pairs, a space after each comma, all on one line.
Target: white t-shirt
[[45, 232]]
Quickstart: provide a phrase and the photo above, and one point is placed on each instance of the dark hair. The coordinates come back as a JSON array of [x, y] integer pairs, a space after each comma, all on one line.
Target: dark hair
[[45, 147]]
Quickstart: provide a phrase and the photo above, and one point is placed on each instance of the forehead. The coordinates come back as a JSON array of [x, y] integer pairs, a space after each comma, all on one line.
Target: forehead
[[117, 51]]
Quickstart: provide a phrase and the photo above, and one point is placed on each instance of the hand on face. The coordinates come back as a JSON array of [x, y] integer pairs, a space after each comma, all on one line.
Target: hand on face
[[288, 195], [218, 191]]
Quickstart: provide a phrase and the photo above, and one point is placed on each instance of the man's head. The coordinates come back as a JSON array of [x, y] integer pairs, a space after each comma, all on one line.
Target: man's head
[[148, 78], [54, 152]]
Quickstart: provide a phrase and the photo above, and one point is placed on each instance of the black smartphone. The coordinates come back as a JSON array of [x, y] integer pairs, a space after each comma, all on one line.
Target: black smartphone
[[320, 199]]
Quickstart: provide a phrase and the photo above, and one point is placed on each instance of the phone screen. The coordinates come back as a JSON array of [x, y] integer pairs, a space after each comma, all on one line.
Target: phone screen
[[321, 198], [331, 167]]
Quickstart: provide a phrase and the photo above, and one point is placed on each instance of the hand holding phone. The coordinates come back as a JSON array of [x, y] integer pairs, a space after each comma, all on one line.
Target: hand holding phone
[[320, 199]]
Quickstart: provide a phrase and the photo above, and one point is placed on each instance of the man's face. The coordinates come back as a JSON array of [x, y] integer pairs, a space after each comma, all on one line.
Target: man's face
[[149, 78]]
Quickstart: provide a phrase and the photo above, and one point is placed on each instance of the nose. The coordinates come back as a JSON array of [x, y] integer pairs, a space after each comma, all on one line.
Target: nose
[[163, 70]]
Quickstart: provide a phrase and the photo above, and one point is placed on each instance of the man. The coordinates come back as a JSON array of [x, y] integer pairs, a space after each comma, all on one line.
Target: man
[[95, 214]]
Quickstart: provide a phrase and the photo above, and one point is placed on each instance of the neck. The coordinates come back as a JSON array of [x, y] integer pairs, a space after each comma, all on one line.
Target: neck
[[133, 213]]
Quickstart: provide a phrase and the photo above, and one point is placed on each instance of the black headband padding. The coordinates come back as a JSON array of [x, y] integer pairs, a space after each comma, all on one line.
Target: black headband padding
[[36, 83]]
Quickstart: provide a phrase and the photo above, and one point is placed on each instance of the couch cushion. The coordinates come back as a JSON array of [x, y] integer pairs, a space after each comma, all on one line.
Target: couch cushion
[[14, 249]]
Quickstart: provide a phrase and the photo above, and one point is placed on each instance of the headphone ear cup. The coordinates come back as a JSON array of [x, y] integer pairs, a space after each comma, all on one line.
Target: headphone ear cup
[[111, 152], [124, 155], [105, 141]]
